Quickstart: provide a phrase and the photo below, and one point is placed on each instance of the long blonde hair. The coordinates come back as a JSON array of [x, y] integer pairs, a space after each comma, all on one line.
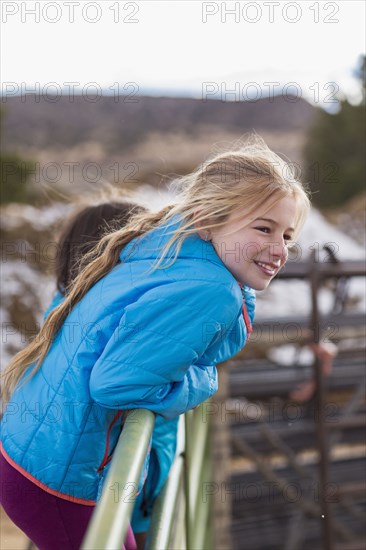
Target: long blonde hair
[[246, 177]]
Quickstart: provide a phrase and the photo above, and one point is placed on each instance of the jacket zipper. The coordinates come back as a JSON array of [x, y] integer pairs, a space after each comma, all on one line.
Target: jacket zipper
[[106, 457], [245, 311]]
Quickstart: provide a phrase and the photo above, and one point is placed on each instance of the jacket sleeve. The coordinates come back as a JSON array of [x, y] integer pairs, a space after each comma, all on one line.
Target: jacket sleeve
[[153, 358]]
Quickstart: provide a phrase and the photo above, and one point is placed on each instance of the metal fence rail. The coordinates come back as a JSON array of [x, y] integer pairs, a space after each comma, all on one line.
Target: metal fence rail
[[180, 517], [110, 520]]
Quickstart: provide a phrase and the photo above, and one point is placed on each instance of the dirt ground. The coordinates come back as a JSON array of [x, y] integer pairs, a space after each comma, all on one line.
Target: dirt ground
[[11, 538]]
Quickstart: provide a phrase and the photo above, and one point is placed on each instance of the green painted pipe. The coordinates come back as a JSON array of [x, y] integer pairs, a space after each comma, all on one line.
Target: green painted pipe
[[166, 509], [181, 497], [110, 520], [198, 445], [203, 505]]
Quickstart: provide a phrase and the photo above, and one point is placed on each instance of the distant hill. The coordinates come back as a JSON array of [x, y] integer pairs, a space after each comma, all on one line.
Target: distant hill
[[117, 123]]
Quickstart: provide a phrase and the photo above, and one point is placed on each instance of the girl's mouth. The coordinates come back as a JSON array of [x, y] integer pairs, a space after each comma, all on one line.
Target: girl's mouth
[[268, 269]]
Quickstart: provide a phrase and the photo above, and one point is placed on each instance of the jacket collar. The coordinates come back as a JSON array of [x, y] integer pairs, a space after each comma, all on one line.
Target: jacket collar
[[149, 245]]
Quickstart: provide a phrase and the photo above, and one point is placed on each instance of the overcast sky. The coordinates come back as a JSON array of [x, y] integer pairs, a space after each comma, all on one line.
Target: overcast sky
[[305, 47]]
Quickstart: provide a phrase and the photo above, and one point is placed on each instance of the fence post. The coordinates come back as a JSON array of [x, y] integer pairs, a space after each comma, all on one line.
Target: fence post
[[320, 403], [188, 427], [221, 455]]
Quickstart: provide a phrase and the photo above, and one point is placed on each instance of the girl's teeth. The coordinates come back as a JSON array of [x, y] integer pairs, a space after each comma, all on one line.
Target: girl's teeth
[[266, 267]]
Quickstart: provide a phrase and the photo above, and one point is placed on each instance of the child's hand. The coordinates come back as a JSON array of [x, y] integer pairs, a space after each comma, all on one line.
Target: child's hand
[[325, 353]]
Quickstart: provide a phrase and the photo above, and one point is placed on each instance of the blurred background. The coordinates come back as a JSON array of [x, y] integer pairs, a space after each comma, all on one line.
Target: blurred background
[[133, 94]]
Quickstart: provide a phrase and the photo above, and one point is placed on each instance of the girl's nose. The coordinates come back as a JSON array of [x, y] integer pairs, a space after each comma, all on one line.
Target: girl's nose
[[280, 250]]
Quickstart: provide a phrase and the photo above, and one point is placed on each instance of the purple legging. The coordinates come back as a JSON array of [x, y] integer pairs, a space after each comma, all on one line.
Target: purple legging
[[52, 523]]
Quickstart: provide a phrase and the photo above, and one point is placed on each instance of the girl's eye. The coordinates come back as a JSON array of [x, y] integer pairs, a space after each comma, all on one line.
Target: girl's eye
[[268, 230]]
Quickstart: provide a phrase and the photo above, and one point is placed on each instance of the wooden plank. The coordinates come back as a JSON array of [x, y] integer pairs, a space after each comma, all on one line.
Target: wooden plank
[[301, 270]]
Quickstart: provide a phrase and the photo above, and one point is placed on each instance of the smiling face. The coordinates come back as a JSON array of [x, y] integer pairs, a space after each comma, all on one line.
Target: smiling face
[[254, 254]]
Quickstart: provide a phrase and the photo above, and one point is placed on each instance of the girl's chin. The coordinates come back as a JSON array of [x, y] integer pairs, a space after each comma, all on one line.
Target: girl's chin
[[255, 282], [259, 285]]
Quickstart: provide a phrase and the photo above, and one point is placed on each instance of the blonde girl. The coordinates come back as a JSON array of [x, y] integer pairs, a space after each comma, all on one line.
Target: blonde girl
[[158, 303]]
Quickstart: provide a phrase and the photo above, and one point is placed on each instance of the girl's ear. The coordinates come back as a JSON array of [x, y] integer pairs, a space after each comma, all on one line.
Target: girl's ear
[[205, 234]]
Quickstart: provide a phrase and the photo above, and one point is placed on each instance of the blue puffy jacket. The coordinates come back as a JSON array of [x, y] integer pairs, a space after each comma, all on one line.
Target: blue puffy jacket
[[163, 450], [135, 340]]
